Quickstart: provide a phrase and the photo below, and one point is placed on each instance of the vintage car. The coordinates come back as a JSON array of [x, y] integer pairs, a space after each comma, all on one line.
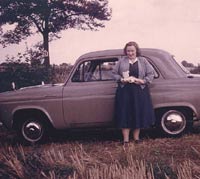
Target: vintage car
[[86, 99]]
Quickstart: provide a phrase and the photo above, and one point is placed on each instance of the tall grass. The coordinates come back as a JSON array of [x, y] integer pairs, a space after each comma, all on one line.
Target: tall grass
[[76, 161], [95, 158]]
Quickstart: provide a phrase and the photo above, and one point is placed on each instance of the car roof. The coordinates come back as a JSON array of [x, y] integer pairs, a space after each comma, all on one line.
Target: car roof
[[119, 52], [161, 58]]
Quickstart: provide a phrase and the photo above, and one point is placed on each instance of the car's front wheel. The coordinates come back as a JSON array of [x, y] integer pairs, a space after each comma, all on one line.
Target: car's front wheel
[[32, 130], [174, 122]]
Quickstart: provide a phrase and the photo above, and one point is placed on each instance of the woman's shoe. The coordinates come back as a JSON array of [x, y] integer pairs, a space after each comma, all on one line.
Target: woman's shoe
[[138, 141], [125, 143]]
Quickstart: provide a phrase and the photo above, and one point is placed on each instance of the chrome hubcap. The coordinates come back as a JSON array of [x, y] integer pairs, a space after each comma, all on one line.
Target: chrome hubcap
[[32, 131], [173, 122]]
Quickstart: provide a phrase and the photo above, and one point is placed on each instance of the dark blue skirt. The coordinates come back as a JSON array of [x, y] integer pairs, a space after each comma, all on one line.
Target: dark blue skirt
[[134, 107]]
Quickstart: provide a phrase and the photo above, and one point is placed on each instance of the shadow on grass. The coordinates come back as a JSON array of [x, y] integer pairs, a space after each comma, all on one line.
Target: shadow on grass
[[96, 135], [83, 135]]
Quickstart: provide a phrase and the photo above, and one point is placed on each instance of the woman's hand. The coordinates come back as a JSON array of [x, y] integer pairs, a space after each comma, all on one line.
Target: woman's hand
[[139, 81], [124, 80], [132, 79], [129, 79]]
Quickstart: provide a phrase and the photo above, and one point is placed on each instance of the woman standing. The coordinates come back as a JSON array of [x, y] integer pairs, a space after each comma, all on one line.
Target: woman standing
[[134, 108]]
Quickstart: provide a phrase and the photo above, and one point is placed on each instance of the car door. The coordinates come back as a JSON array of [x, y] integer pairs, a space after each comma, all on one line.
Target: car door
[[89, 95]]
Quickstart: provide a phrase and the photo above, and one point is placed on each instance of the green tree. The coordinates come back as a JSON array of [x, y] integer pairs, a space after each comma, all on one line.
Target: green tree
[[49, 17], [22, 74], [196, 70], [187, 64], [19, 71]]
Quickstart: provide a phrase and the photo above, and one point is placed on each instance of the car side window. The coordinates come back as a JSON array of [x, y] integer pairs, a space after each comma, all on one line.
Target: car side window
[[95, 70], [156, 74]]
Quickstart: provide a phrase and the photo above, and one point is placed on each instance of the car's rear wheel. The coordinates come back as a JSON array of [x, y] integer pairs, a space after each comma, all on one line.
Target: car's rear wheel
[[174, 122], [32, 130]]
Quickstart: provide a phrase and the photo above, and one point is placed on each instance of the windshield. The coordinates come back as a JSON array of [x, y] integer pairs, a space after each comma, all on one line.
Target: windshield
[[181, 66]]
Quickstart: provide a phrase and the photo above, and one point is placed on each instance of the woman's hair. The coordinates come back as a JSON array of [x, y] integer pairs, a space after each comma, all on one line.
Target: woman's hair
[[138, 53]]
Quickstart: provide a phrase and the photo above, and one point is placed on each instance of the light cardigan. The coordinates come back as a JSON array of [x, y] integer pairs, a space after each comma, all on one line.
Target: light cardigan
[[146, 71]]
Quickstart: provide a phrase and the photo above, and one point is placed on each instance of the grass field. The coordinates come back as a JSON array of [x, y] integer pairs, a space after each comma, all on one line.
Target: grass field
[[99, 155]]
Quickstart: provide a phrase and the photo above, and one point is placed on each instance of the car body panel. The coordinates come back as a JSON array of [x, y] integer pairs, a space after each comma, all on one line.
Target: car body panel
[[176, 92], [90, 104], [46, 98]]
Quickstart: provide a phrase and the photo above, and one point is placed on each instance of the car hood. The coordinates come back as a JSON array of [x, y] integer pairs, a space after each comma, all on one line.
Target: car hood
[[33, 93]]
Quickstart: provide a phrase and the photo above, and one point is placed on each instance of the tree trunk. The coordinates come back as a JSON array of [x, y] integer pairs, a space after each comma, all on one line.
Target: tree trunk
[[46, 43], [46, 48]]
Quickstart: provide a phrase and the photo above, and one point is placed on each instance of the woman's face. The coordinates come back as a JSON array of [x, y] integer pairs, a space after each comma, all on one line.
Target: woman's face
[[131, 52]]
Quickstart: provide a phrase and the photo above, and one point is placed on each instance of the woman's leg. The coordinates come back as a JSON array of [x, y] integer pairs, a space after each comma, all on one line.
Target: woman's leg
[[125, 133], [136, 134]]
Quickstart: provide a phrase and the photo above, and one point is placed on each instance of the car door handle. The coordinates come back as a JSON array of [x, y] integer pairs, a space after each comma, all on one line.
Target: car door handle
[[51, 96]]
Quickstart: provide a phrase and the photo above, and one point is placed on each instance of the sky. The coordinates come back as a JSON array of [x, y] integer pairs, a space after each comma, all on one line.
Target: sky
[[172, 25]]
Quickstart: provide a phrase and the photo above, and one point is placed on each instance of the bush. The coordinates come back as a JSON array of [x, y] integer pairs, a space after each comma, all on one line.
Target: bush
[[25, 74]]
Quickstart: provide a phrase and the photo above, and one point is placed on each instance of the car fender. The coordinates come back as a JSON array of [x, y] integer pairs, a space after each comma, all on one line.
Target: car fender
[[175, 105], [33, 107]]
